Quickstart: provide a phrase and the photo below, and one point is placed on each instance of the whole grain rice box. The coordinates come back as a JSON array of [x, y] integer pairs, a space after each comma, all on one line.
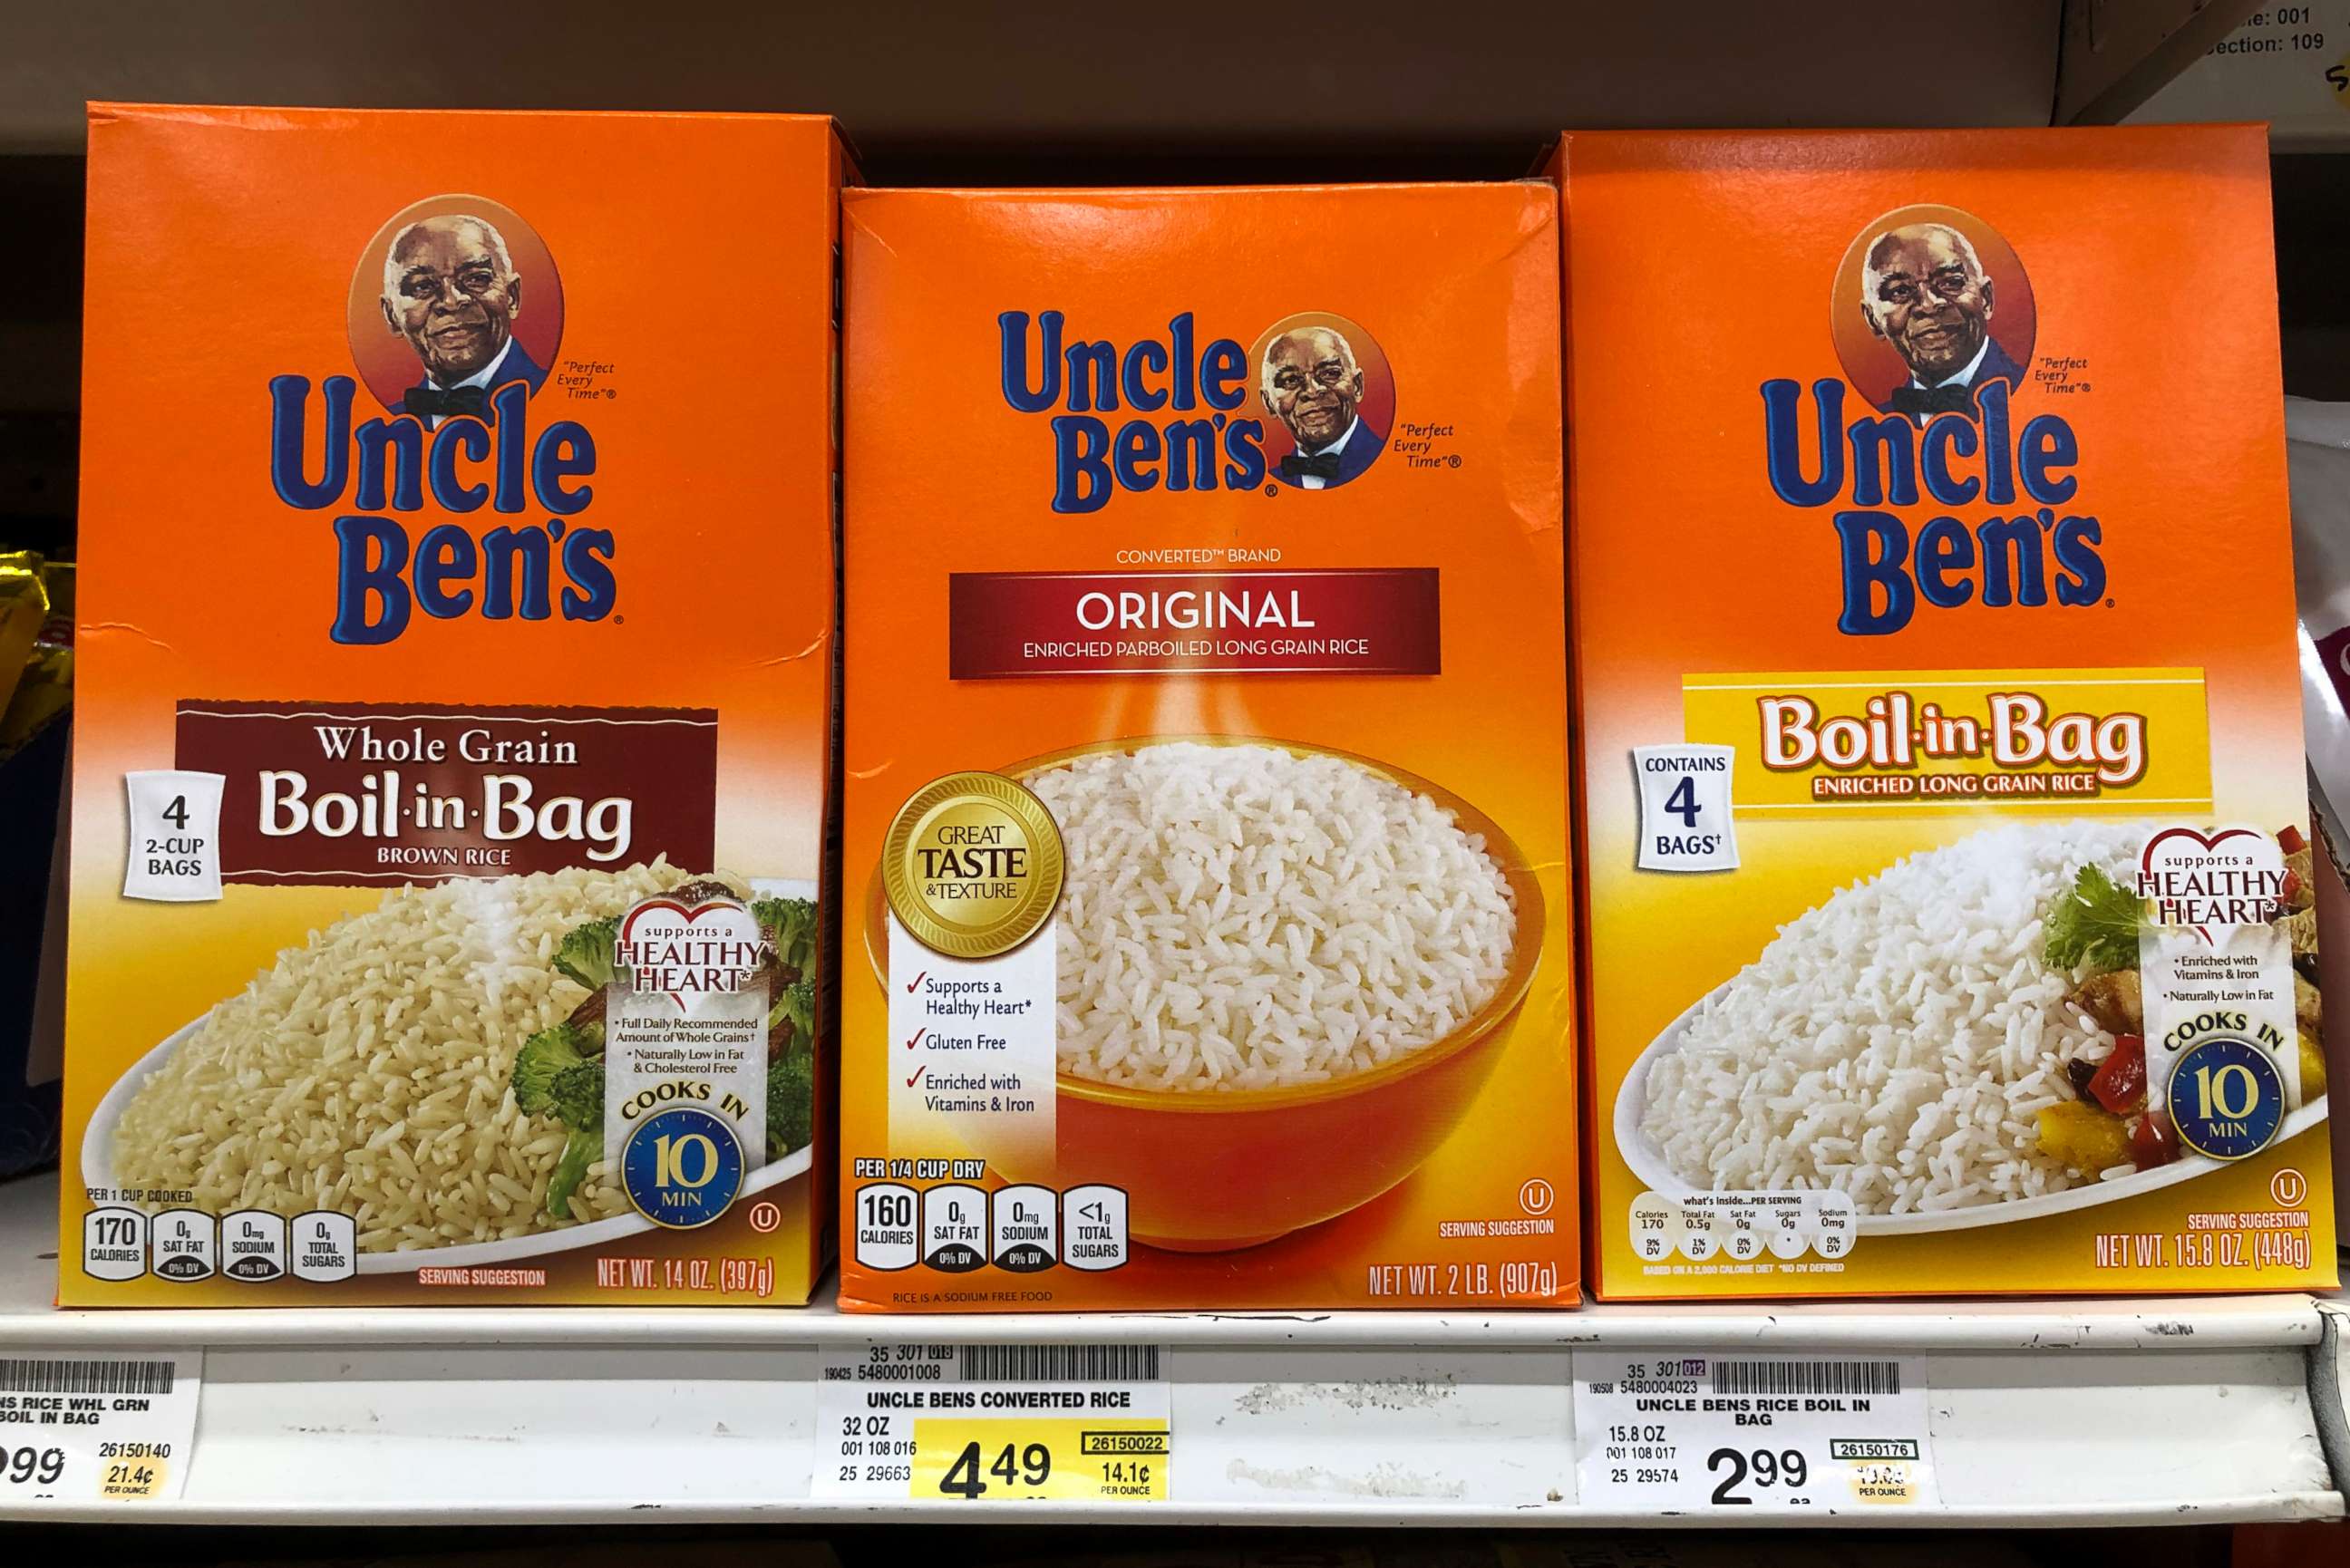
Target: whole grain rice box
[[448, 900], [1947, 855], [1206, 817]]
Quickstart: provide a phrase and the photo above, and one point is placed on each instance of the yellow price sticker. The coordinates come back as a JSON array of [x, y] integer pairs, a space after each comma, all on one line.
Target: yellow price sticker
[[133, 1479], [1882, 1483], [992, 1459]]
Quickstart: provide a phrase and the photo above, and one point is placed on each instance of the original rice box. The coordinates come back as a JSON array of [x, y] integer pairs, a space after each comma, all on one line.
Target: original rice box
[[1205, 843], [456, 683], [1946, 840]]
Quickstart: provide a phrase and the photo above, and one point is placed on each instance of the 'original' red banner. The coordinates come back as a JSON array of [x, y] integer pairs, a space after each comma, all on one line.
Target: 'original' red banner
[[1378, 620]]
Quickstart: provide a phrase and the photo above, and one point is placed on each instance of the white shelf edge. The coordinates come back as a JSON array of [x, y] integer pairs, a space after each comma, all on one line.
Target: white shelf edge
[[2215, 1322], [2289, 1507]]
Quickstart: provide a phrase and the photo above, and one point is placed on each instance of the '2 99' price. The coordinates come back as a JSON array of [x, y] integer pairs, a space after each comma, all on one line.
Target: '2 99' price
[[1761, 1468]]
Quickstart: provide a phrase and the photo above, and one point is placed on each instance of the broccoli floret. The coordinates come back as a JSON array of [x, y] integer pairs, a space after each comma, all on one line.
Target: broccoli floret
[[580, 1151], [559, 1073], [586, 954], [791, 1103], [547, 1054], [797, 1003], [791, 925], [579, 1095]]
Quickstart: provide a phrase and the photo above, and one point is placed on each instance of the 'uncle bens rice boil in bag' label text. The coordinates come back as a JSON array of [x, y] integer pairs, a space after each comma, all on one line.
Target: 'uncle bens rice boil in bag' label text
[[447, 874], [1205, 768], [1951, 903]]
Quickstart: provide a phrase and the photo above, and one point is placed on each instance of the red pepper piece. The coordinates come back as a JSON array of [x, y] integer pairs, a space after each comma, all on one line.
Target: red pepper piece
[[2120, 1083], [2153, 1142]]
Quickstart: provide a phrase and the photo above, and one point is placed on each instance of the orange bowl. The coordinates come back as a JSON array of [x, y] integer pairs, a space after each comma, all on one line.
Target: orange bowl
[[1217, 1171]]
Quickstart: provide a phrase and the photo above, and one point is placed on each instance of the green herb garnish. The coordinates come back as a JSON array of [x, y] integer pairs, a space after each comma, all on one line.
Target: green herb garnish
[[2096, 923]]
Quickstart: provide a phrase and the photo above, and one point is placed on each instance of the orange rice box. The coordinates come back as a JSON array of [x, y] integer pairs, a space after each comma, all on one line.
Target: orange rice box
[[1945, 850], [1206, 817], [455, 697]]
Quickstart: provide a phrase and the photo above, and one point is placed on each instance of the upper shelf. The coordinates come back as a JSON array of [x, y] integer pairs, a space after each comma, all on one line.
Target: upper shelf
[[935, 89]]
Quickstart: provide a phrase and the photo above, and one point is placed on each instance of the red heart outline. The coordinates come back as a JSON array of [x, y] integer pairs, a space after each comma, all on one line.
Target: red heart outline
[[628, 923], [2146, 856]]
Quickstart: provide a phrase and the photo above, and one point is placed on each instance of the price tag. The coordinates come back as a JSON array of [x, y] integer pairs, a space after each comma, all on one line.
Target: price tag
[[1709, 1433], [78, 1429], [993, 1423]]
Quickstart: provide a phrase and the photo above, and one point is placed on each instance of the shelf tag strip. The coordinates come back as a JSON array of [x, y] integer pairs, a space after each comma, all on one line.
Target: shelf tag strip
[[994, 1423]]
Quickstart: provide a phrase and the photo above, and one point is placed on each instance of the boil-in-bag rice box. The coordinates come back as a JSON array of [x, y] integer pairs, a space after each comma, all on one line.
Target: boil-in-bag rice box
[[1946, 842], [456, 679], [1209, 938]]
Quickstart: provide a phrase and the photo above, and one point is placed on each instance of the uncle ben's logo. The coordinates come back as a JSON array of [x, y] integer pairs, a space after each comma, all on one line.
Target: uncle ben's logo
[[454, 312], [1933, 320], [1309, 407]]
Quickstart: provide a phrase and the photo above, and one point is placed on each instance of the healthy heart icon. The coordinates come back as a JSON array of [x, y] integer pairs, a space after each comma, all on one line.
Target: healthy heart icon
[[2213, 883], [680, 953]]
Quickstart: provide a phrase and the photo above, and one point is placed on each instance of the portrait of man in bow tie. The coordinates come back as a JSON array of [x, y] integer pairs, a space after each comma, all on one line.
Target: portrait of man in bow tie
[[451, 289], [1314, 385], [1924, 291]]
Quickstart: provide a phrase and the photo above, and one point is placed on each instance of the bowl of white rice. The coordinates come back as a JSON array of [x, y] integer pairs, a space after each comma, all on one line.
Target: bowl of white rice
[[1283, 972]]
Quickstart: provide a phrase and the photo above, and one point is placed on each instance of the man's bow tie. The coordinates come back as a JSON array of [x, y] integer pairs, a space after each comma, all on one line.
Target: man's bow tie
[[1323, 466], [1925, 402], [432, 403]]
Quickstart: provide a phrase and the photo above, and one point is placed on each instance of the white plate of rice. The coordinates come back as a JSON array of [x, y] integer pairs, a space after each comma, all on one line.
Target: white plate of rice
[[484, 950], [1895, 1042]]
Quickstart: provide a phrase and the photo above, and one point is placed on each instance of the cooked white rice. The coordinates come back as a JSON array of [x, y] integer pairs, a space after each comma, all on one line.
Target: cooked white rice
[[1237, 918], [367, 1073], [1895, 1042]]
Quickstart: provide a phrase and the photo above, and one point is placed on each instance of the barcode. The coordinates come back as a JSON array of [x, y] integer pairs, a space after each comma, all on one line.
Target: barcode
[[1807, 1377], [55, 1376], [1060, 1363]]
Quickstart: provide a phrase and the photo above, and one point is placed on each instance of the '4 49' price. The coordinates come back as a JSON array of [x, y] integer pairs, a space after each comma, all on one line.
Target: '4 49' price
[[1094, 1463], [1029, 1470]]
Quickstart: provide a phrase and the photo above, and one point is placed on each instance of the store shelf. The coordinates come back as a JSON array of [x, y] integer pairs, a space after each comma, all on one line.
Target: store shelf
[[930, 79], [2041, 1413]]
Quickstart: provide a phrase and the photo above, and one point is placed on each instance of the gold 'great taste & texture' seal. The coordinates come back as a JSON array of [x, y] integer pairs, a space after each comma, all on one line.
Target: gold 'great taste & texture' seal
[[972, 865]]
